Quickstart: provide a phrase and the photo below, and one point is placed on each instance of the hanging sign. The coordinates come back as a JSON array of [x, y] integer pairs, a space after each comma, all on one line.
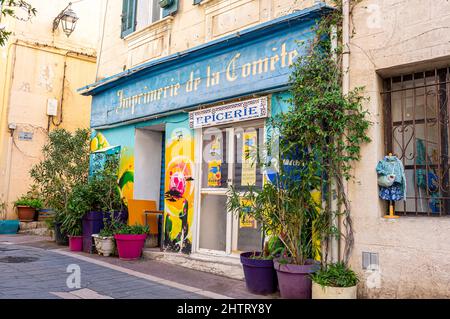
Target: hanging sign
[[233, 112]]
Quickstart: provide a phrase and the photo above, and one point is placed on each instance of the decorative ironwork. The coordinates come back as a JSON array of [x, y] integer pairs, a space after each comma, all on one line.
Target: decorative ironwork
[[416, 117]]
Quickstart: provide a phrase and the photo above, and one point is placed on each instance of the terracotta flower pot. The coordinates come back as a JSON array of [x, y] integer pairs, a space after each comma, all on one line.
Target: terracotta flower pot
[[26, 213], [325, 292]]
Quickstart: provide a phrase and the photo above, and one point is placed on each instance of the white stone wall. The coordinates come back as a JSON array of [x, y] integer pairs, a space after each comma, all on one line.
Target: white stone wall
[[192, 25], [393, 37]]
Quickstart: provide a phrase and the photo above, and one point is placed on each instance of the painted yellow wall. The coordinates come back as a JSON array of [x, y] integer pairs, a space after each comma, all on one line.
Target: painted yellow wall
[[38, 64]]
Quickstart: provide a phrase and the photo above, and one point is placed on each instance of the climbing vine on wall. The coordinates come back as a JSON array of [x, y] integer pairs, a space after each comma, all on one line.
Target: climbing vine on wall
[[325, 128]]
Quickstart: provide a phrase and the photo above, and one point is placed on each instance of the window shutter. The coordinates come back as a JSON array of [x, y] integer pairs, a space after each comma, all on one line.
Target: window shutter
[[197, 1], [170, 10], [128, 17]]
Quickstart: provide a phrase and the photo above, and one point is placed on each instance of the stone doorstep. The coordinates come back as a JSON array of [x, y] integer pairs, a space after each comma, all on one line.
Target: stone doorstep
[[32, 225], [223, 266]]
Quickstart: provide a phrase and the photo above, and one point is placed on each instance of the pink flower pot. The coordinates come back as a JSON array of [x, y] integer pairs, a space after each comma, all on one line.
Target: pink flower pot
[[130, 246], [76, 243]]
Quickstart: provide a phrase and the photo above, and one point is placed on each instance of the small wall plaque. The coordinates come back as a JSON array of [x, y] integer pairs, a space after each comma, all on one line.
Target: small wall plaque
[[25, 136]]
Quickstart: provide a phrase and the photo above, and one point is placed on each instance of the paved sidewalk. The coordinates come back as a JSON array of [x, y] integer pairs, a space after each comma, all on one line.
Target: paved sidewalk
[[103, 277]]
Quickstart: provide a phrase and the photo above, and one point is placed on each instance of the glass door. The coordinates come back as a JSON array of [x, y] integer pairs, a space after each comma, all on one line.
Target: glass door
[[228, 154]]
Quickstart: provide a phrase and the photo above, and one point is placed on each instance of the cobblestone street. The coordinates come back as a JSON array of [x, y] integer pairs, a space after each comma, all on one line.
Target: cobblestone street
[[37, 270]]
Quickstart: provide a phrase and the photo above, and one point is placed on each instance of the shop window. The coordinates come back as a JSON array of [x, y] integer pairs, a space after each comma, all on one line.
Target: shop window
[[416, 119]]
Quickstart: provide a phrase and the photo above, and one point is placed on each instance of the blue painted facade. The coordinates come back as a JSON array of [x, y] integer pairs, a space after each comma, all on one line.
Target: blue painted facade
[[256, 60]]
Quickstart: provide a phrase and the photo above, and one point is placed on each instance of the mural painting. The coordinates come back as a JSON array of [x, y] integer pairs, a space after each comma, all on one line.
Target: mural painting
[[126, 167], [179, 189]]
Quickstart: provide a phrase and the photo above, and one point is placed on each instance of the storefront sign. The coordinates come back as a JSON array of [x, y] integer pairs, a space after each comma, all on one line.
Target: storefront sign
[[249, 64], [233, 112]]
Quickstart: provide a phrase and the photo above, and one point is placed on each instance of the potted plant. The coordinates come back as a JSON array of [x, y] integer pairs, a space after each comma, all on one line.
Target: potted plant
[[65, 164], [77, 205], [130, 240], [26, 208], [334, 281], [106, 204], [104, 240], [259, 273], [286, 209]]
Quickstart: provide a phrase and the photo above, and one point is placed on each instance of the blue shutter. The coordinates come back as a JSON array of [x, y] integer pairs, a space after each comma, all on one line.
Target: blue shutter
[[128, 17], [197, 1], [170, 10]]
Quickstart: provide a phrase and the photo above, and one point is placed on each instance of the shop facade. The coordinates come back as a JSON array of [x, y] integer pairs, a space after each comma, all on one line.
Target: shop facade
[[186, 124]]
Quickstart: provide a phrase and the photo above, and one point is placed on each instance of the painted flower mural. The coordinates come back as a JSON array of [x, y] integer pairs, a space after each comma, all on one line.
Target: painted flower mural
[[179, 195]]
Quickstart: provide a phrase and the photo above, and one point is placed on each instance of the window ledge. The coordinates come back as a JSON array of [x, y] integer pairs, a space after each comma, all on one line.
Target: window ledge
[[164, 22]]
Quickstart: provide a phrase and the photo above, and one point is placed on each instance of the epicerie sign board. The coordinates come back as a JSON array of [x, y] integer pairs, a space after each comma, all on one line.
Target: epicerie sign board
[[228, 113]]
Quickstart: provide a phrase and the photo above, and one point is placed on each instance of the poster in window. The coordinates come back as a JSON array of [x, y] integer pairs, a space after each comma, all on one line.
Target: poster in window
[[246, 221], [214, 173], [248, 158]]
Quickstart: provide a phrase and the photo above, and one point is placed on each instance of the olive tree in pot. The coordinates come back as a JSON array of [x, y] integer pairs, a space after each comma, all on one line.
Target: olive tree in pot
[[65, 164]]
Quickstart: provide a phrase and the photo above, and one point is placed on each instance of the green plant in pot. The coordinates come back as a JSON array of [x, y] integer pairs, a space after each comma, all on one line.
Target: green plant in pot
[[130, 240], [334, 281], [106, 203], [286, 209], [65, 164], [77, 206], [26, 207], [311, 148]]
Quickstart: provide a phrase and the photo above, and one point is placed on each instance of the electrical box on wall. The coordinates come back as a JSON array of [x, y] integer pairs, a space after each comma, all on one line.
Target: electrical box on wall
[[52, 107]]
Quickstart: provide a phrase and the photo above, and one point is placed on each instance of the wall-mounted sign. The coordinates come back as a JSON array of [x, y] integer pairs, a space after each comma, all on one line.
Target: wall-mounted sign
[[233, 112], [228, 71], [25, 136]]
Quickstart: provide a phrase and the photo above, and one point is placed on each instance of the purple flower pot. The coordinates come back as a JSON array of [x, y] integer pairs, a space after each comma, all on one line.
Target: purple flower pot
[[76, 243], [92, 223], [130, 246], [260, 275], [294, 280]]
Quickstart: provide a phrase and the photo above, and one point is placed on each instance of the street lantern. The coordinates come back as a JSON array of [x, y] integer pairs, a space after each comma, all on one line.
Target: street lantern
[[68, 19]]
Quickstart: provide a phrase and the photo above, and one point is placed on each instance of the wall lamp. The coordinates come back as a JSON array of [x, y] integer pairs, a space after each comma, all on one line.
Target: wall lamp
[[68, 19]]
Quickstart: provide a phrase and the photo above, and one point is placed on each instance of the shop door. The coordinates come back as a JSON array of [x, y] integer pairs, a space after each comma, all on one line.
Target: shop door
[[223, 165]]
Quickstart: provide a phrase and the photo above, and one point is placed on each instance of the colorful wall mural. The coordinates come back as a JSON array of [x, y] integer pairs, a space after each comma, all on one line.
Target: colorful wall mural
[[114, 137], [179, 187]]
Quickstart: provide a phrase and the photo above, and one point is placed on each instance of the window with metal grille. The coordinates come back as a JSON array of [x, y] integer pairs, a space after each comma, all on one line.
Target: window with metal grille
[[416, 117]]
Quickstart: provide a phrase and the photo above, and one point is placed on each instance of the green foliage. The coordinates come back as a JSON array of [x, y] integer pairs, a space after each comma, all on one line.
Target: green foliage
[[132, 230], [99, 193], [65, 165], [322, 133], [29, 201], [9, 8], [335, 275]]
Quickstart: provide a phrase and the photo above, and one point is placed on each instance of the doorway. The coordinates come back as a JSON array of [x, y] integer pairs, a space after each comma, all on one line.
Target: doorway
[[225, 163], [148, 161]]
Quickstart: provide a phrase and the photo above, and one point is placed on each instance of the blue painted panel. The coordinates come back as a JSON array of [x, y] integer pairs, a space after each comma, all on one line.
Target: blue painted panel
[[256, 65]]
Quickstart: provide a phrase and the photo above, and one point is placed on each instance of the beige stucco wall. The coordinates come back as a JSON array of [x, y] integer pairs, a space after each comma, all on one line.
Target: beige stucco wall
[[192, 25], [38, 64], [413, 251]]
